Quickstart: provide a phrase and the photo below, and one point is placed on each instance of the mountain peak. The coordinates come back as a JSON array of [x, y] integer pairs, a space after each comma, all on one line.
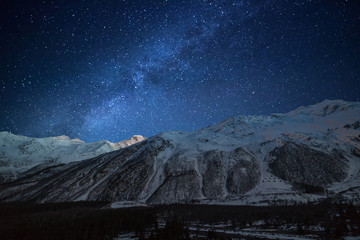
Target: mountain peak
[[63, 137], [326, 107], [134, 139], [138, 137]]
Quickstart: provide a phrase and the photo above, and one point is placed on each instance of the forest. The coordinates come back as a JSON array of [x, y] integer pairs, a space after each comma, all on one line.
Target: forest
[[95, 220]]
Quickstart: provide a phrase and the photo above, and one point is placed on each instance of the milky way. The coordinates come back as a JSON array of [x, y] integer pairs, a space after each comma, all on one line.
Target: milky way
[[110, 69]]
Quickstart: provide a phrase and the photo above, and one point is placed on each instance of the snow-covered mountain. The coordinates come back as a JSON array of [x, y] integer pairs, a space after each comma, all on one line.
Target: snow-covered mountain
[[307, 154], [19, 154]]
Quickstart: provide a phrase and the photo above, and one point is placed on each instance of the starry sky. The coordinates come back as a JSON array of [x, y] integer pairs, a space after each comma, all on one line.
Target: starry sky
[[111, 69]]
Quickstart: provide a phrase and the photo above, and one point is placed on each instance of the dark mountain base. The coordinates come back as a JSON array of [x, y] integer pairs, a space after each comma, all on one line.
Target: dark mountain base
[[90, 220]]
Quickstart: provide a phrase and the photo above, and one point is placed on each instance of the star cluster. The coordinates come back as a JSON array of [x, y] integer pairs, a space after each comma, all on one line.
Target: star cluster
[[110, 69]]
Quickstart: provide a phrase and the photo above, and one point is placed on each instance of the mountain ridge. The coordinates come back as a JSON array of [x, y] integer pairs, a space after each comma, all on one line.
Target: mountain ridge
[[20, 153]]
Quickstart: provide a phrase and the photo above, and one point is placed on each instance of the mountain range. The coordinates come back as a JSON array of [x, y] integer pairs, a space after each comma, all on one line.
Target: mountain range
[[19, 154], [308, 154]]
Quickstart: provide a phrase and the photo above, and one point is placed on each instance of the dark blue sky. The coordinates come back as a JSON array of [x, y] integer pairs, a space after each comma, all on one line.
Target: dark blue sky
[[110, 69]]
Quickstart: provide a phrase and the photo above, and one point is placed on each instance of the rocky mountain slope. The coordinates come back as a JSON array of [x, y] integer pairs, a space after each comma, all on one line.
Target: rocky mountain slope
[[18, 154], [304, 155]]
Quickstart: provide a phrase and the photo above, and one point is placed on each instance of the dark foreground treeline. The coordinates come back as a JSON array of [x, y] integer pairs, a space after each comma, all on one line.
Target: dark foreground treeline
[[88, 220], [76, 220]]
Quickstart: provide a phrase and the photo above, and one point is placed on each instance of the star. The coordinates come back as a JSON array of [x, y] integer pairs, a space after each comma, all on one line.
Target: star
[[112, 69]]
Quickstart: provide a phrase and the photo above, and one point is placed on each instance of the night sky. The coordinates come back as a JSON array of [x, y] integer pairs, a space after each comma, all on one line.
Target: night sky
[[111, 69]]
